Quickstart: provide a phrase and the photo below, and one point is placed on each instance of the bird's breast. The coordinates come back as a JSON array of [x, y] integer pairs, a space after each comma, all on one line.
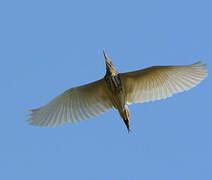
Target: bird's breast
[[116, 91], [114, 83]]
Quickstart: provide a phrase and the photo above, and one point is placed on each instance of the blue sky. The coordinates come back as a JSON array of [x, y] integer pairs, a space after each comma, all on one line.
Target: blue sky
[[50, 46]]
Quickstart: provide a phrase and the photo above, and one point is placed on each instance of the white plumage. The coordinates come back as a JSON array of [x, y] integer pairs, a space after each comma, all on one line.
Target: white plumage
[[150, 84], [73, 105], [160, 82]]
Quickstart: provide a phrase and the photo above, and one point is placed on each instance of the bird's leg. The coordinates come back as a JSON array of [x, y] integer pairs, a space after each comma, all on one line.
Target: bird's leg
[[126, 121], [125, 115]]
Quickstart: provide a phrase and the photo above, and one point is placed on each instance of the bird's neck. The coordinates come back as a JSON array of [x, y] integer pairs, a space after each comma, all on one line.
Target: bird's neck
[[113, 82], [111, 72]]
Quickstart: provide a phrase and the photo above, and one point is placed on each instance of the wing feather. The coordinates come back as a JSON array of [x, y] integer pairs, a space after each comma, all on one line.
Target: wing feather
[[73, 105], [160, 82]]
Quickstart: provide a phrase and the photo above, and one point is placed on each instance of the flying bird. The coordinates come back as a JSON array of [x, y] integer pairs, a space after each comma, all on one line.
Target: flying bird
[[117, 90]]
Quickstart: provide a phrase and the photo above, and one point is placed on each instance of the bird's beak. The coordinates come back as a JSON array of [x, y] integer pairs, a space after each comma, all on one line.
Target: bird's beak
[[106, 58], [109, 64]]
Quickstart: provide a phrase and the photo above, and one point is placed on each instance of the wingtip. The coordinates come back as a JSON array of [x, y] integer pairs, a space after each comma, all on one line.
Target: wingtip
[[28, 115], [29, 110], [198, 63], [204, 65]]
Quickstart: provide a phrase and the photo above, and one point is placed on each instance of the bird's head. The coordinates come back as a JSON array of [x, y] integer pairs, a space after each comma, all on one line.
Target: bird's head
[[109, 65]]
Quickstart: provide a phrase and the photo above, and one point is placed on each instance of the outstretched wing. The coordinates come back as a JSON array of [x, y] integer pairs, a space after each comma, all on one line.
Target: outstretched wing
[[73, 105], [160, 82]]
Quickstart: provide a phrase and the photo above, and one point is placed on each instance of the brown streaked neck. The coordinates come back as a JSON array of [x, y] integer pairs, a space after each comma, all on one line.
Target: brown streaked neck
[[111, 71]]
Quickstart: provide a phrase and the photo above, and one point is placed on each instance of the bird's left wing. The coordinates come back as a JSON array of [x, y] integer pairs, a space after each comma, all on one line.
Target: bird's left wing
[[73, 105], [160, 82]]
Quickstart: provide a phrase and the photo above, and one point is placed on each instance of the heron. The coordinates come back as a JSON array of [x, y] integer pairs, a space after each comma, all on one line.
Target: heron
[[117, 90]]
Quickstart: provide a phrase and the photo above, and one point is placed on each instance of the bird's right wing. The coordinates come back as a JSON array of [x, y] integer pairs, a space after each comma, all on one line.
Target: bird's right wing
[[160, 82], [73, 105]]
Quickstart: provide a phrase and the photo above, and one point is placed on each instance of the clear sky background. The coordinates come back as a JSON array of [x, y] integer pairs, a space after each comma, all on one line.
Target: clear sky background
[[49, 46]]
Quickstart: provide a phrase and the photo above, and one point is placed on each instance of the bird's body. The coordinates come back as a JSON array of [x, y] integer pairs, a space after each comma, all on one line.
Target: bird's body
[[117, 90], [116, 93]]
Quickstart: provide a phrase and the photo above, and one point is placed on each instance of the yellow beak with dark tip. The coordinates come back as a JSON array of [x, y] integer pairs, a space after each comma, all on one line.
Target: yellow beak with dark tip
[[105, 55], [107, 60], [109, 65]]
